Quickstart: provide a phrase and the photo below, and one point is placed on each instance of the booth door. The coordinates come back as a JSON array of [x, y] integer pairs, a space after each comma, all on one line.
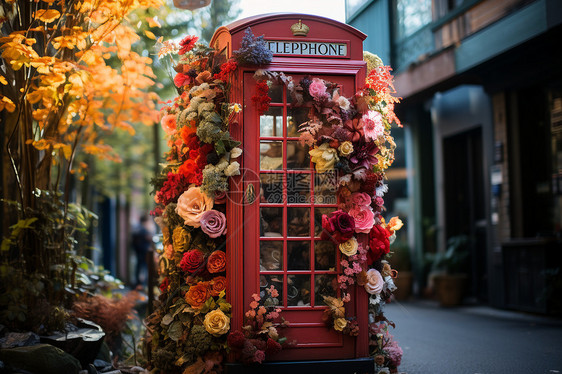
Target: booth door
[[285, 200]]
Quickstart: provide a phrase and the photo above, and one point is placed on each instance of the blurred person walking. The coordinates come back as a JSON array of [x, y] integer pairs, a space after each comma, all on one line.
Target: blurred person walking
[[142, 242]]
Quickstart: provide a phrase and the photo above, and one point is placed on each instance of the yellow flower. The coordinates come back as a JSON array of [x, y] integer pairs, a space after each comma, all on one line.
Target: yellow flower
[[349, 248], [324, 157], [216, 323], [179, 238], [345, 148], [340, 323]]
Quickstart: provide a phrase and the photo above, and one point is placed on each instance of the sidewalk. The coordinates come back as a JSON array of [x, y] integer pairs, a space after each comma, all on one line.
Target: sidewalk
[[474, 339]]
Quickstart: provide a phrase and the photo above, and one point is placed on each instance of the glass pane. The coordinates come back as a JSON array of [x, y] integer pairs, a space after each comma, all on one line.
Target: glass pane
[[318, 218], [271, 122], [271, 188], [324, 285], [298, 290], [298, 255], [276, 93], [295, 117], [325, 255], [325, 188], [298, 188], [271, 222], [271, 255], [274, 280], [271, 155], [298, 221], [297, 156]]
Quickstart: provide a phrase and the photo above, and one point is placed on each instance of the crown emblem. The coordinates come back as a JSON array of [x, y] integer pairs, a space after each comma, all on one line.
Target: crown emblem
[[300, 29]]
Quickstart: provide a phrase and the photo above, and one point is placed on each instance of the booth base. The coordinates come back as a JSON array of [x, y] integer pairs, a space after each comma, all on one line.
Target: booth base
[[358, 365]]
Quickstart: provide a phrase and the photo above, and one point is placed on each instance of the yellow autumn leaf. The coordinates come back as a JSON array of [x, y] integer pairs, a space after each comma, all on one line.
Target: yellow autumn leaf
[[33, 97], [152, 22], [3, 80], [40, 144], [6, 103], [66, 149], [150, 34], [47, 15]]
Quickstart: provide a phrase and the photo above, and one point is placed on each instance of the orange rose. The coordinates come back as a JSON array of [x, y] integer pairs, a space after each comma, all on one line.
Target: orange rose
[[217, 285], [197, 295], [216, 262]]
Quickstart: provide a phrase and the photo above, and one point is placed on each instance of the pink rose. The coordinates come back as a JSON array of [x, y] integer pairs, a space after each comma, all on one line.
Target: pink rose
[[213, 223], [317, 89], [192, 204], [374, 282], [364, 219], [360, 199]]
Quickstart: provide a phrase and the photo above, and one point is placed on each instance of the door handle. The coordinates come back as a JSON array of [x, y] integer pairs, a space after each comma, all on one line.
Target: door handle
[[250, 194]]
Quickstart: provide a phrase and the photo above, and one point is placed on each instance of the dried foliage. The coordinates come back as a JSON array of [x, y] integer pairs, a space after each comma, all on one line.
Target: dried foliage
[[111, 314]]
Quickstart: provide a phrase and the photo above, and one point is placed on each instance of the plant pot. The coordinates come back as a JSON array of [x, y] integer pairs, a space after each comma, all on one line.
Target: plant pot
[[404, 285], [450, 288]]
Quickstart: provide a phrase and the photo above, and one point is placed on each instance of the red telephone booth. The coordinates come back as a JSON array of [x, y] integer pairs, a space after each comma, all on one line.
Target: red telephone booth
[[274, 227]]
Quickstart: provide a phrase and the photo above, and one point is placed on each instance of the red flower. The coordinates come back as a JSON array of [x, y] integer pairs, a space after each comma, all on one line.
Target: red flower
[[226, 68], [272, 347], [192, 260], [261, 98], [191, 171], [236, 340], [379, 244], [338, 226], [187, 44], [164, 285], [181, 80], [172, 188]]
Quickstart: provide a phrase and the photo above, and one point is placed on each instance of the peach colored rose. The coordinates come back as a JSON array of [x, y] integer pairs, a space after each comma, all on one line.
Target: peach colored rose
[[216, 323], [192, 204], [197, 295], [374, 282]]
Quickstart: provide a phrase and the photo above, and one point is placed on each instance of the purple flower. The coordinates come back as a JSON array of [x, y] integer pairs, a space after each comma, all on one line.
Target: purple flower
[[364, 154], [213, 223]]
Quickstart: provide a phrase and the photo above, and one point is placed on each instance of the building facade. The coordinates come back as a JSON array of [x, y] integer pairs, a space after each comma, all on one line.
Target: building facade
[[481, 82]]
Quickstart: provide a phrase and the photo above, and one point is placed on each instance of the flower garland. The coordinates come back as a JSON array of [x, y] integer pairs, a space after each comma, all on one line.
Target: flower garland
[[351, 136], [188, 330]]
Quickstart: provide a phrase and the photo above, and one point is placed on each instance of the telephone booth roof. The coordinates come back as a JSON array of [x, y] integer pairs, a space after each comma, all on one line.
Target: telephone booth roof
[[278, 26]]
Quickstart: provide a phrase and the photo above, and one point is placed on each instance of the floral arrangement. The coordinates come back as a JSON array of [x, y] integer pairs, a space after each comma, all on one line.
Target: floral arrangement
[[351, 136], [189, 330], [191, 321], [385, 350], [260, 336]]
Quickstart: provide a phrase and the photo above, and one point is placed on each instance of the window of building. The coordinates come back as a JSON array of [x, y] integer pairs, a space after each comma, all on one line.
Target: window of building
[[411, 15]]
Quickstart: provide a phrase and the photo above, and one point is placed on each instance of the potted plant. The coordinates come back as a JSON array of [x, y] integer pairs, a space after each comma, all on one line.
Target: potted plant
[[448, 271]]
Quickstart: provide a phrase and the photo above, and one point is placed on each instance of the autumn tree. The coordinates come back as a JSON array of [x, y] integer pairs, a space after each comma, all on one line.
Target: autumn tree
[[60, 98]]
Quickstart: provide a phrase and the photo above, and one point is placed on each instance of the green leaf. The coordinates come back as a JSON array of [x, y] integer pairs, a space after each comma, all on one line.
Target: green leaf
[[175, 331]]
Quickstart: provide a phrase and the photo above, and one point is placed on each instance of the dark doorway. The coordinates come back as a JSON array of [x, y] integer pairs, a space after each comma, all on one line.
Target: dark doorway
[[465, 212]]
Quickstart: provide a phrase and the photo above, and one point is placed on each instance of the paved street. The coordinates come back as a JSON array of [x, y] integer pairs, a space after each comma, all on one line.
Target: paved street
[[474, 340]]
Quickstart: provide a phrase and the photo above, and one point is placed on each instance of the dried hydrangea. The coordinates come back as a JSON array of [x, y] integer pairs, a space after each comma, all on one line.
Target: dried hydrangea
[[253, 50]]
